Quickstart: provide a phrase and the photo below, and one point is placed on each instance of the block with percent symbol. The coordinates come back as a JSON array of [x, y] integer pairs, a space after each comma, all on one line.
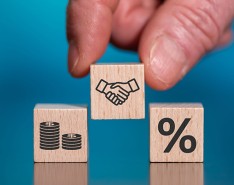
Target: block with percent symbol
[[176, 132], [117, 91], [60, 133]]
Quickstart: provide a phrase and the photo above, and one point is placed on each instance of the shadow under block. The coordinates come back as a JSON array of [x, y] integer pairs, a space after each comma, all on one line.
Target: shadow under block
[[176, 132], [60, 133], [176, 173], [117, 91], [60, 174]]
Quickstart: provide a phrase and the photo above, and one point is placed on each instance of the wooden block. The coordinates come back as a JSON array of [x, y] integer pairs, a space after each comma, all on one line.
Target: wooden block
[[60, 133], [117, 91], [60, 174], [176, 132], [176, 173]]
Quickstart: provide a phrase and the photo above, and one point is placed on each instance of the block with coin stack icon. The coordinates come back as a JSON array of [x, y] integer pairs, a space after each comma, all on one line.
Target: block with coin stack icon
[[117, 91], [60, 133]]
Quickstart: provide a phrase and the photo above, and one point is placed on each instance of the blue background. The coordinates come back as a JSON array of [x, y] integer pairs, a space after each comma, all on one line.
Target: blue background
[[33, 69]]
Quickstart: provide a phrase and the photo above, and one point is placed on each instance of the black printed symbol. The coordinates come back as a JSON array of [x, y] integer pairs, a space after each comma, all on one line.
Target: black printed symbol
[[177, 135], [118, 92], [49, 135], [71, 141]]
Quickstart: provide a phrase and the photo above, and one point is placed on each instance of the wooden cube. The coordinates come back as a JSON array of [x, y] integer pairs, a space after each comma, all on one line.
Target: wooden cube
[[117, 91], [176, 132], [176, 173], [60, 133], [60, 174]]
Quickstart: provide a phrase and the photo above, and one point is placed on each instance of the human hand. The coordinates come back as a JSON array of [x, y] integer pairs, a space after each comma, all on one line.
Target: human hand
[[171, 35], [117, 92]]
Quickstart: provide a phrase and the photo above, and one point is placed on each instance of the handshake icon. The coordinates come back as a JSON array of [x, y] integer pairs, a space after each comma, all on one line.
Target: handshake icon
[[118, 92]]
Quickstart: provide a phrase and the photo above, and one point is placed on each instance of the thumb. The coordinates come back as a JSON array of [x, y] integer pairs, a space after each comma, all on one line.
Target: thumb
[[178, 35]]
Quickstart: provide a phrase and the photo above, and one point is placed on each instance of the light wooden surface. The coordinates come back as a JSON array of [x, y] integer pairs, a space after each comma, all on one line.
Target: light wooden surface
[[60, 174], [133, 107], [176, 173], [177, 112], [72, 119]]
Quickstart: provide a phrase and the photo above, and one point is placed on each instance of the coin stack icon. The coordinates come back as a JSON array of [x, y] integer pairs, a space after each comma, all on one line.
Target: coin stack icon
[[49, 135], [71, 141]]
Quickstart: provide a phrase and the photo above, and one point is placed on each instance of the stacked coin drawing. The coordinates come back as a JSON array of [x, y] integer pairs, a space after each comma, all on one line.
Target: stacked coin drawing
[[49, 135], [71, 141]]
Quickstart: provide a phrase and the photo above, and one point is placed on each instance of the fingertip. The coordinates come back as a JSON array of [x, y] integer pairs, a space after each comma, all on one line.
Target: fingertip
[[73, 59], [76, 73], [156, 83], [165, 63], [77, 66]]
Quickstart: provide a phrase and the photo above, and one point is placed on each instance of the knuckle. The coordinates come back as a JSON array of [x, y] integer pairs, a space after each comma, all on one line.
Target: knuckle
[[112, 4], [199, 22], [86, 14]]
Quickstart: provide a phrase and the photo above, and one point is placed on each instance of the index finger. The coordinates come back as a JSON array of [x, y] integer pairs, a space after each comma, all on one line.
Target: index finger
[[89, 25]]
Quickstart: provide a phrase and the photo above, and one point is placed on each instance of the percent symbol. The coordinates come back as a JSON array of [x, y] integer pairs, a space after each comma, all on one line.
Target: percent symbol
[[177, 135]]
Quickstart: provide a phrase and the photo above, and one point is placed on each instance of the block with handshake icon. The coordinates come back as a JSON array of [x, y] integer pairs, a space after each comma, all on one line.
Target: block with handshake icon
[[117, 91]]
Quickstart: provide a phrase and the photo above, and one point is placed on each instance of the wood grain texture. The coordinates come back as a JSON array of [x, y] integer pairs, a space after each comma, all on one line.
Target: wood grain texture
[[177, 112], [72, 119], [133, 107], [60, 174], [176, 173]]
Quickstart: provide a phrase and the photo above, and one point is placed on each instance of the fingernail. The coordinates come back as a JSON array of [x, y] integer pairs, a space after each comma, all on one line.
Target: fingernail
[[73, 57], [168, 62]]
